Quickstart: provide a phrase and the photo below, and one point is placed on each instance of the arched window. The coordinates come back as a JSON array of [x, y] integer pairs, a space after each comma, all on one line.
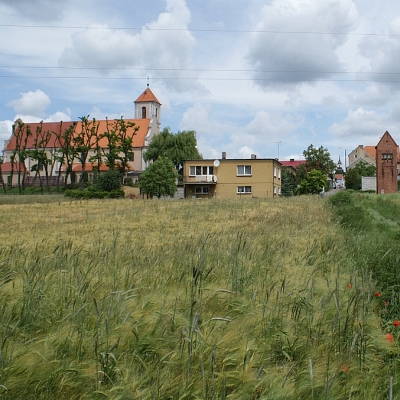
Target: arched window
[[143, 112]]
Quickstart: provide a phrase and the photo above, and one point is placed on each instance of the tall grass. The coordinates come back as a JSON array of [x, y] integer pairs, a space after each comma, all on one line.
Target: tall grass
[[185, 300]]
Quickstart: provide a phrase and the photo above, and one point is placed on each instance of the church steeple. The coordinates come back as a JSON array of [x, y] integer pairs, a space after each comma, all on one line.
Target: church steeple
[[148, 106]]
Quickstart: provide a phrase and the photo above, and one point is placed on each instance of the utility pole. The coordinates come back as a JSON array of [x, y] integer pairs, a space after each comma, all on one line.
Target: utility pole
[[278, 148]]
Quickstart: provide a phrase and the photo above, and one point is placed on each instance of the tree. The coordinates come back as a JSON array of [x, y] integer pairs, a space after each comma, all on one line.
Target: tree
[[109, 181], [177, 147], [313, 183], [1, 177], [159, 178], [289, 184], [319, 159], [353, 175]]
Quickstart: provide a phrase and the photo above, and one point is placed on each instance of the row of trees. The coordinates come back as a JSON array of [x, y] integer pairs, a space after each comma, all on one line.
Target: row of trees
[[72, 143]]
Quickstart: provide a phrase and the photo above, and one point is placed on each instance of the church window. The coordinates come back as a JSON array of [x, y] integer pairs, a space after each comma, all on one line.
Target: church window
[[143, 112]]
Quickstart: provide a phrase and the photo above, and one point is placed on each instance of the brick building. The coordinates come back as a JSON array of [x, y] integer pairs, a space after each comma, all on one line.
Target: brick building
[[386, 165]]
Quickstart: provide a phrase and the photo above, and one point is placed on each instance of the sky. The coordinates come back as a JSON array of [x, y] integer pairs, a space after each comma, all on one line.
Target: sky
[[249, 76]]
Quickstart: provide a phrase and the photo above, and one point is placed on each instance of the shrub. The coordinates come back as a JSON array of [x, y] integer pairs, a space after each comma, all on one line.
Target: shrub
[[94, 194], [109, 181]]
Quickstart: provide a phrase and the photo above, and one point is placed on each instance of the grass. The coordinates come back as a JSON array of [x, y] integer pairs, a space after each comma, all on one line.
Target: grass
[[212, 299]]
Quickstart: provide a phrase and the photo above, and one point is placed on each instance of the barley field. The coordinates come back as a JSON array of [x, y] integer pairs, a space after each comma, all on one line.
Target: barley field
[[200, 299]]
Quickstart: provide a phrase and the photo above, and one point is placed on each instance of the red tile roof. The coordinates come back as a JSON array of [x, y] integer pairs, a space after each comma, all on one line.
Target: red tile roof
[[147, 96], [6, 167], [292, 163], [371, 150], [55, 128]]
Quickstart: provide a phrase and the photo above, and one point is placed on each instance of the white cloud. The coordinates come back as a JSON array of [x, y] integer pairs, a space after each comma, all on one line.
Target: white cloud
[[163, 47], [363, 123], [32, 103], [298, 57]]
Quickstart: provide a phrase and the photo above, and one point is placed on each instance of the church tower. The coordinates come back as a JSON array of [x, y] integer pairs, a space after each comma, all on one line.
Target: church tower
[[147, 106]]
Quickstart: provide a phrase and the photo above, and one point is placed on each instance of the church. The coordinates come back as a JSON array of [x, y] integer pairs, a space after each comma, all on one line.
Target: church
[[49, 138]]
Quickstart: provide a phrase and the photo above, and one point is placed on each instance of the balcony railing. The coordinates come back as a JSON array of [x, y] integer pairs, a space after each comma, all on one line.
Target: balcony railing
[[204, 178]]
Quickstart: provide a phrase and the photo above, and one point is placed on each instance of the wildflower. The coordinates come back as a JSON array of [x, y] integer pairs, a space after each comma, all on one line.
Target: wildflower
[[344, 368], [385, 303], [389, 337], [348, 286], [396, 323], [377, 294]]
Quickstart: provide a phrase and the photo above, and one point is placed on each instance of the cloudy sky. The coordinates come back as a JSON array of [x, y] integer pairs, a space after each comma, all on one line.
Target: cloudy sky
[[249, 76]]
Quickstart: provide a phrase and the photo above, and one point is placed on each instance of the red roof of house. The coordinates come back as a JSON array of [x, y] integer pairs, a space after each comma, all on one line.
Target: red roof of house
[[147, 96], [292, 163], [371, 150], [39, 130], [6, 167]]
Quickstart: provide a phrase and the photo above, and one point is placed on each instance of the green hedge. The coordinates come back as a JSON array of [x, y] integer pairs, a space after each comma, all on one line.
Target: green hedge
[[93, 194]]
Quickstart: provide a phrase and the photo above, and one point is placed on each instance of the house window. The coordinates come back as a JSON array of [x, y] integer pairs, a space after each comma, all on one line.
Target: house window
[[40, 165], [132, 157], [279, 173], [274, 172], [143, 112], [274, 189], [201, 170], [201, 190], [243, 189], [387, 156], [243, 170]]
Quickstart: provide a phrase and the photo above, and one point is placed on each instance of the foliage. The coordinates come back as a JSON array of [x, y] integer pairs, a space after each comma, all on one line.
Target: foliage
[[289, 184], [159, 178], [87, 194], [354, 174], [313, 183], [109, 181], [251, 299], [177, 147], [318, 159]]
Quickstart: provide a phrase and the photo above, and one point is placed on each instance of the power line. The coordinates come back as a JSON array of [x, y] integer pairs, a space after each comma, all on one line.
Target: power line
[[197, 30], [199, 70], [199, 79]]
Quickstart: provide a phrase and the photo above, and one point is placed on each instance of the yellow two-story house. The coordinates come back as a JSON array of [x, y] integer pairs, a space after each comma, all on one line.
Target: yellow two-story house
[[232, 178]]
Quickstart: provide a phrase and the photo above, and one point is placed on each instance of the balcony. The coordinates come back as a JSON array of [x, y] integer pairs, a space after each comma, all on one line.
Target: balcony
[[206, 178]]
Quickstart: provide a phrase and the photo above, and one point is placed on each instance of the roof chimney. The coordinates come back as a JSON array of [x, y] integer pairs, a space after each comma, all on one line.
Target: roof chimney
[[292, 159], [224, 155], [253, 156]]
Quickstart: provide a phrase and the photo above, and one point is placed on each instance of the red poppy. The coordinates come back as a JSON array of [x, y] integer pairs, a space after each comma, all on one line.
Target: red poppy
[[389, 337], [396, 323], [348, 285], [377, 294]]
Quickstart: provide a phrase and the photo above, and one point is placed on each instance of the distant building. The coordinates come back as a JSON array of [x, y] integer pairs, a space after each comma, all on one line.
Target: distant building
[[362, 153], [147, 121], [232, 178], [386, 165]]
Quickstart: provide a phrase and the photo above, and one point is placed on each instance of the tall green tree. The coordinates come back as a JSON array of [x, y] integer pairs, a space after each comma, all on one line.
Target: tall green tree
[[177, 147], [353, 175], [159, 178], [319, 159], [289, 183], [1, 176]]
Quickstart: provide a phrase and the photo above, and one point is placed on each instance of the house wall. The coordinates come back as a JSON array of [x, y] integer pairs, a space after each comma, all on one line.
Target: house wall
[[264, 180], [368, 183], [360, 154]]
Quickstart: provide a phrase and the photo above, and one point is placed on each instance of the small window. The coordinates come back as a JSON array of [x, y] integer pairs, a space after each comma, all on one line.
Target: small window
[[132, 156], [244, 170], [274, 172], [243, 189], [200, 170], [279, 173], [387, 156], [143, 112], [201, 190], [355, 155]]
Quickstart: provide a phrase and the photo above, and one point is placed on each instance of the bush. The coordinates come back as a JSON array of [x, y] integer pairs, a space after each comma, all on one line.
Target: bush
[[342, 198], [109, 181], [93, 194]]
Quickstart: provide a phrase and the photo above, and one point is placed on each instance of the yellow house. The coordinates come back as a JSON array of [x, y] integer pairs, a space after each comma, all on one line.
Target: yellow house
[[232, 178]]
